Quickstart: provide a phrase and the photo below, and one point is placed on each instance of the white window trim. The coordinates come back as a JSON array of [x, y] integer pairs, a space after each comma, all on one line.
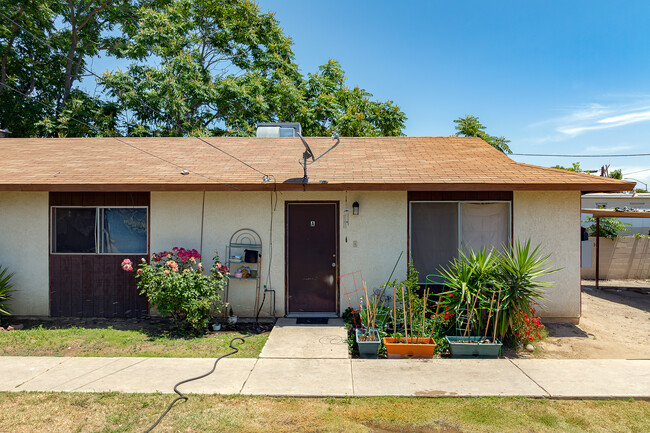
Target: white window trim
[[97, 231]]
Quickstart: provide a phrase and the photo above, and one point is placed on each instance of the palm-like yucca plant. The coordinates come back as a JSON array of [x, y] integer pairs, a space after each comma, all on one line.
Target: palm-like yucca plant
[[519, 269], [6, 289], [470, 281]]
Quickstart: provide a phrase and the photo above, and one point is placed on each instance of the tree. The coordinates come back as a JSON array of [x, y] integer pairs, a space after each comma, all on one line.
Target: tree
[[208, 67], [45, 48], [616, 174], [218, 67], [469, 126], [575, 168]]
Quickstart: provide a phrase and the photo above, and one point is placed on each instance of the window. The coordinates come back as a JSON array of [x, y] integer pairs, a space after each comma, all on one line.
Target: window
[[440, 229], [85, 230]]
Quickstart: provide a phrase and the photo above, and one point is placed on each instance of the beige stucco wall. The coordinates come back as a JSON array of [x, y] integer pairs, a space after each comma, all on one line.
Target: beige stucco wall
[[24, 249], [380, 231], [552, 219]]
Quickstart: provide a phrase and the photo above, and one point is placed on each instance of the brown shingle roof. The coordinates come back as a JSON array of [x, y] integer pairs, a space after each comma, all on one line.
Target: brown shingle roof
[[391, 163]]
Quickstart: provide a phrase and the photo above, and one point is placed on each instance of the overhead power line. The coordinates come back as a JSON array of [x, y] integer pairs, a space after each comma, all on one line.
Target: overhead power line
[[135, 98], [582, 156]]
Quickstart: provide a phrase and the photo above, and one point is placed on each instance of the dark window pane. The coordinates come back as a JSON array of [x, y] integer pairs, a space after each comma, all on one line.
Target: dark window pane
[[434, 236], [124, 231], [74, 230]]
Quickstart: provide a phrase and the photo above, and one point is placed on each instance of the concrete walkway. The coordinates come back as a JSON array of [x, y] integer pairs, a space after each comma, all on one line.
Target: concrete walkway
[[288, 340], [334, 376]]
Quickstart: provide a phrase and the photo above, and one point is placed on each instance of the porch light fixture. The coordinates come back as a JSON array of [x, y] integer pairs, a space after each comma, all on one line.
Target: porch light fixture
[[355, 208]]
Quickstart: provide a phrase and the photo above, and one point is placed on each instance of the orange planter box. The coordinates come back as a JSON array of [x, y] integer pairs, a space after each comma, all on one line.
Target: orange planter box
[[415, 348]]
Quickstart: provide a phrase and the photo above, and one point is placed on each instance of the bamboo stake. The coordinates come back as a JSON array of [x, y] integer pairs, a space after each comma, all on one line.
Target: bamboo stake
[[496, 317], [469, 319], [424, 312], [365, 290], [436, 318], [489, 315], [406, 332], [394, 314], [410, 316]]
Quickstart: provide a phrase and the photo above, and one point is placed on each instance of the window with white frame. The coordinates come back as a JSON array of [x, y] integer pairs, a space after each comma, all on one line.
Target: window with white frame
[[439, 230], [99, 230]]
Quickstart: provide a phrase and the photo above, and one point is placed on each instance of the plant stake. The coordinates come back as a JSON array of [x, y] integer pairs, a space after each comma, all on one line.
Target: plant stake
[[489, 315]]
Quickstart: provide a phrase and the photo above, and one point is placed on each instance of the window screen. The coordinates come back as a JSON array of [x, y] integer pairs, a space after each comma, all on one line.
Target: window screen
[[484, 225], [74, 230], [124, 230], [434, 236]]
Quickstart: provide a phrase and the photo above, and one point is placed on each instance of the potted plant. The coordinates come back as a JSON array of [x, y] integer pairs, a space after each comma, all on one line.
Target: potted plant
[[367, 337], [411, 314], [488, 291]]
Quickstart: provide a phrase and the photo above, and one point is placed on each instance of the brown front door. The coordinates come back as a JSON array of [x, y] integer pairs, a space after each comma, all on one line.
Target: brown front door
[[312, 257]]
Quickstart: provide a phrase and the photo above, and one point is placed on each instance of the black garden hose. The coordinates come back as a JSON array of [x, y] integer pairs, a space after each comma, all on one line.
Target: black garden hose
[[182, 396]]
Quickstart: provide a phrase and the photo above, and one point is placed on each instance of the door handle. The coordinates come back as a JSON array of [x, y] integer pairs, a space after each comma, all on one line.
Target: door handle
[[333, 264]]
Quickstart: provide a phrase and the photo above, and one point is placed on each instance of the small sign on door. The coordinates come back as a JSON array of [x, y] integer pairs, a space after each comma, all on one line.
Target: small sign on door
[[312, 223]]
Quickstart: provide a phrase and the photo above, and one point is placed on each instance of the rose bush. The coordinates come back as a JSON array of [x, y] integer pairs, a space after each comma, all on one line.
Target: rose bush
[[178, 285]]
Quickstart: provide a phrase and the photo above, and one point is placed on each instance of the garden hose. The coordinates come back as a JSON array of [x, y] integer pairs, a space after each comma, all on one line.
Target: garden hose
[[182, 396]]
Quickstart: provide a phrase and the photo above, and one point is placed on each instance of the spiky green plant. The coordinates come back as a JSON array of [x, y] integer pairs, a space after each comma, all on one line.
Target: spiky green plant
[[470, 281], [6, 289], [519, 269]]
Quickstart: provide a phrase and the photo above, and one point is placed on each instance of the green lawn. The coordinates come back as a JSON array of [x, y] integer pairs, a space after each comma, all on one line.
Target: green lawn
[[76, 341], [74, 412]]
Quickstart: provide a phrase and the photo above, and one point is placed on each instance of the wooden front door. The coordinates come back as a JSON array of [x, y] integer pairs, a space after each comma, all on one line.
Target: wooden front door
[[312, 257]]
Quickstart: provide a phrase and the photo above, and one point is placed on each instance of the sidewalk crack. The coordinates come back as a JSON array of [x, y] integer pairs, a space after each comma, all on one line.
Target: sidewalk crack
[[249, 376], [109, 374], [42, 373], [532, 380]]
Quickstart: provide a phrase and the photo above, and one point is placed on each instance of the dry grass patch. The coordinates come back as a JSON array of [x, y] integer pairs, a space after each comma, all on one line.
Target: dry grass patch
[[74, 412], [77, 341]]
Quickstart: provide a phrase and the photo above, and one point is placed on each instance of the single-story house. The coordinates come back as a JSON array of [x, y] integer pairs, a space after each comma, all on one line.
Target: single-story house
[[72, 208]]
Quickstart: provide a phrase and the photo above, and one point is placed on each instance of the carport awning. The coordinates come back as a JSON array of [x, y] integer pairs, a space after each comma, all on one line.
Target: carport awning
[[612, 213]]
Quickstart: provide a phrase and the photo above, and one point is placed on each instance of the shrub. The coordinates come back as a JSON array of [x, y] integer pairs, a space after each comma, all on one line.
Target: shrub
[[494, 292], [6, 289], [177, 284], [609, 227]]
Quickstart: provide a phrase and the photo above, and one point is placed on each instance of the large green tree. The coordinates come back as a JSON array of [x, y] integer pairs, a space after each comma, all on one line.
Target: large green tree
[[45, 47], [469, 126], [196, 67]]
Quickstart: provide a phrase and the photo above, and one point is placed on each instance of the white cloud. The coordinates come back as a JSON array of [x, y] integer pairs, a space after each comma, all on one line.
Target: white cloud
[[593, 117]]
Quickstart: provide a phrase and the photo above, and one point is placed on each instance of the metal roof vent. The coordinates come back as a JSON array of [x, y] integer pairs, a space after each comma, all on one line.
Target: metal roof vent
[[279, 129]]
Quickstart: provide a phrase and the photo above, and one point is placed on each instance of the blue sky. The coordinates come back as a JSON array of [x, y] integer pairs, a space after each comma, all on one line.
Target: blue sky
[[558, 77]]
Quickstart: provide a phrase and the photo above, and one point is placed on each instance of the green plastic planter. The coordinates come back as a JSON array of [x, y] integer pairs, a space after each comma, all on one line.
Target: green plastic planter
[[469, 347], [367, 349]]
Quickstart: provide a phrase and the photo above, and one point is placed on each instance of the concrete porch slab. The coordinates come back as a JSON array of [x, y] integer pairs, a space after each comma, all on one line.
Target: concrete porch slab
[[441, 378], [288, 340], [590, 378], [161, 374], [300, 377]]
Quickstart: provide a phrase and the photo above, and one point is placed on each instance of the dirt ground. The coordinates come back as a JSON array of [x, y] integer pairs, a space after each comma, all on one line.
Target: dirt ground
[[615, 324]]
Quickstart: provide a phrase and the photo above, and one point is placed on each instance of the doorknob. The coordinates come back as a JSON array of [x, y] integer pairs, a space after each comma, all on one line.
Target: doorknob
[[333, 264]]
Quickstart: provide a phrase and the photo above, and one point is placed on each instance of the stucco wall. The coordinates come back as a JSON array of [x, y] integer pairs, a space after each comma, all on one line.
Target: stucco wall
[[552, 219], [380, 230], [24, 249]]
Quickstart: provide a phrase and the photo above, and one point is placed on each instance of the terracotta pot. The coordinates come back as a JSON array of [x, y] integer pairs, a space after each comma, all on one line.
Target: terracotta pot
[[420, 348]]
